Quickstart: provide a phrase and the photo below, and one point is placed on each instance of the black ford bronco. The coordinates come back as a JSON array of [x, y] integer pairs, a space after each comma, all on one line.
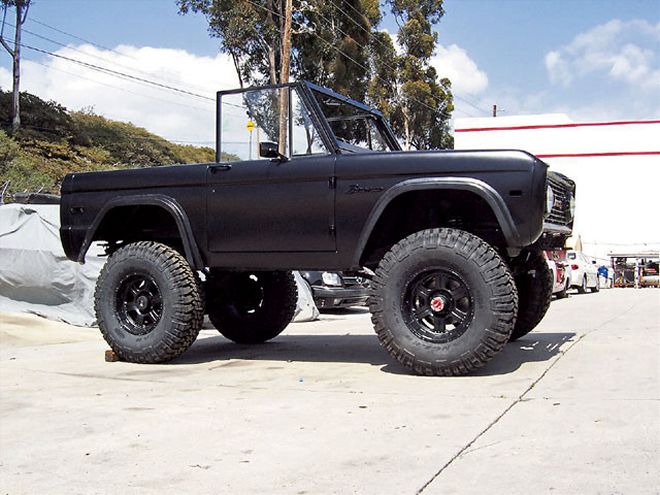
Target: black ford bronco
[[307, 179]]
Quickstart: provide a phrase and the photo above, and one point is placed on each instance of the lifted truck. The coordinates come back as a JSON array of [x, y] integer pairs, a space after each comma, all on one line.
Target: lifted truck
[[308, 179]]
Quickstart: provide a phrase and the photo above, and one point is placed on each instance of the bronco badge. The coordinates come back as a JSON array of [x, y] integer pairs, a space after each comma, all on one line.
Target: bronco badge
[[357, 188]]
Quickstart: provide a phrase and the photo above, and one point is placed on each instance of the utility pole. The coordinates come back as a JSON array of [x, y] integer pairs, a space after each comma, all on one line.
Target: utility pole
[[22, 7], [284, 74]]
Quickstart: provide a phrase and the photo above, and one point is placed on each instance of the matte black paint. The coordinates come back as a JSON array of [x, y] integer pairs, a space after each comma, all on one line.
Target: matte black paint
[[301, 214]]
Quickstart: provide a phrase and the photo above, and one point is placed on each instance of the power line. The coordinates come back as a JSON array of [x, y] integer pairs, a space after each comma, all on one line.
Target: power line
[[117, 73], [50, 67], [104, 69], [122, 75], [32, 19], [338, 50], [349, 17], [124, 55]]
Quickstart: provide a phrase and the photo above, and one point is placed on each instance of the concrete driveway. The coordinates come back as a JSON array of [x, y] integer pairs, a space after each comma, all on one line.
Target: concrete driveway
[[574, 407]]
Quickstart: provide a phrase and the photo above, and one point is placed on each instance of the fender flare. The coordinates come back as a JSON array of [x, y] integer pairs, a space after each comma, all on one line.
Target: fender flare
[[169, 204], [480, 188]]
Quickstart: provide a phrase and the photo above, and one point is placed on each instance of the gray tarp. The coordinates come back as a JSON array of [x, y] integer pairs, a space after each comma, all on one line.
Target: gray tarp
[[36, 277]]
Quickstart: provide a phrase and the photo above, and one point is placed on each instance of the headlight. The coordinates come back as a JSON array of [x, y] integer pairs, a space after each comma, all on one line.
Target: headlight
[[549, 200], [571, 206], [330, 278]]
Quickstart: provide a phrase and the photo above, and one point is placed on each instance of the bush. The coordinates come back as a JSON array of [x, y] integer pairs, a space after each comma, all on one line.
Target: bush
[[53, 142], [9, 150]]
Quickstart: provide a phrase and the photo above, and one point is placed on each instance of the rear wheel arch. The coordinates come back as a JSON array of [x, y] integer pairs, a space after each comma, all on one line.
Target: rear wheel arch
[[399, 213], [150, 217]]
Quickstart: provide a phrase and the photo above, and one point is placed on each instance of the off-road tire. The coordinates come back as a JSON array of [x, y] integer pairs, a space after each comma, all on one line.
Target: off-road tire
[[181, 303], [468, 264], [534, 282], [582, 289], [256, 320]]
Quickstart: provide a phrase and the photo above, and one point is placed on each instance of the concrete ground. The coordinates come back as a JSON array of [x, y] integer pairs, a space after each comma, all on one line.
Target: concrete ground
[[574, 407]]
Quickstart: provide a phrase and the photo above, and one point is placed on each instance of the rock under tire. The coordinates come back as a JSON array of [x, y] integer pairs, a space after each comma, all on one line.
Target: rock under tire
[[255, 321], [457, 262], [534, 284], [161, 274]]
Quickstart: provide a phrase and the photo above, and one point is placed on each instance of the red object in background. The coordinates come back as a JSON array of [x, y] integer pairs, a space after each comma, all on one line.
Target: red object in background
[[574, 267]]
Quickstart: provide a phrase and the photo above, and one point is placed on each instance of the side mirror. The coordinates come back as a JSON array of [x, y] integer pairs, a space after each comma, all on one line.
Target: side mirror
[[268, 149]]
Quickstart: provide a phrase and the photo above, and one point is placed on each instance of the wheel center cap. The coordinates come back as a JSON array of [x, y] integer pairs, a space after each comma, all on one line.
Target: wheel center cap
[[438, 303], [142, 302]]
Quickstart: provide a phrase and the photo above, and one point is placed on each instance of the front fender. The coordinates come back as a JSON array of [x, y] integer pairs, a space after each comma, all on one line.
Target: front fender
[[476, 186]]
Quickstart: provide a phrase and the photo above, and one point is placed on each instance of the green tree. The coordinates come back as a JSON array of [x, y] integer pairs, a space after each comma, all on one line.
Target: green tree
[[422, 112], [337, 43], [250, 32]]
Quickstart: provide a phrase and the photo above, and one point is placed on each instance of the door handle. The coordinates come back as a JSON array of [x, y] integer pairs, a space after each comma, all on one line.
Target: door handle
[[219, 168]]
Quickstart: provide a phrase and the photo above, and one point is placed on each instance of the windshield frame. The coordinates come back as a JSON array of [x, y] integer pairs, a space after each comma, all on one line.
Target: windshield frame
[[306, 91], [376, 116]]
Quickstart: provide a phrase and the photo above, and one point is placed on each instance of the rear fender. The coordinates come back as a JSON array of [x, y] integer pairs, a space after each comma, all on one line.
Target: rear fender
[[169, 204]]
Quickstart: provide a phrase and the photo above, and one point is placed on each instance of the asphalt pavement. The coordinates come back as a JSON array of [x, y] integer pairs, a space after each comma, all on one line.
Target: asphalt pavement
[[574, 407]]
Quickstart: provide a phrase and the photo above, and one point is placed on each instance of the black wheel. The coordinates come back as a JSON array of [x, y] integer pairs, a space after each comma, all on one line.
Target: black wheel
[[148, 303], [251, 307], [443, 302], [597, 287], [582, 289], [562, 294], [534, 282]]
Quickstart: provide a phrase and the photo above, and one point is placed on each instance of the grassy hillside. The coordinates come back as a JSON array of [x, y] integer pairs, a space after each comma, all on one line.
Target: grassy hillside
[[54, 141]]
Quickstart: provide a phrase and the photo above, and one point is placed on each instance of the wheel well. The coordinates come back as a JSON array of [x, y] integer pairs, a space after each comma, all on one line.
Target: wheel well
[[418, 210], [124, 224]]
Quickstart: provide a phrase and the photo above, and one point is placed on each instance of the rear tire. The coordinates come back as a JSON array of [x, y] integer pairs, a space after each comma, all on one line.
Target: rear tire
[[534, 283], [597, 287], [251, 307], [563, 294], [443, 302], [148, 303], [582, 289]]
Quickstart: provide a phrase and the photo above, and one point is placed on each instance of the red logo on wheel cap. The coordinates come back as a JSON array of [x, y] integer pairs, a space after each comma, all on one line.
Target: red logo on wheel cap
[[437, 303]]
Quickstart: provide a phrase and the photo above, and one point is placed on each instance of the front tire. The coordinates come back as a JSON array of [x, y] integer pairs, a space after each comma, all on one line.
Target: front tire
[[534, 283], [251, 308], [443, 302], [148, 303]]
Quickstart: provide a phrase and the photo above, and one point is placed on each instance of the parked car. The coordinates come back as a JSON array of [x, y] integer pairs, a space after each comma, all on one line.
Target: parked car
[[332, 290], [561, 274], [649, 274], [584, 272]]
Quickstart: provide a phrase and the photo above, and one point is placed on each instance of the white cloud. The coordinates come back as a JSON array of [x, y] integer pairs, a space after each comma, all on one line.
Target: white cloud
[[626, 52], [454, 63], [172, 115]]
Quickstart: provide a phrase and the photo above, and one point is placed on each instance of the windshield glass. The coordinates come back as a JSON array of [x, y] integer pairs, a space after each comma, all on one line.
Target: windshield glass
[[356, 129]]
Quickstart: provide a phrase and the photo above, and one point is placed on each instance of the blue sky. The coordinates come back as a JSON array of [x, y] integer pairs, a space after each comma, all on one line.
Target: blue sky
[[593, 59]]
